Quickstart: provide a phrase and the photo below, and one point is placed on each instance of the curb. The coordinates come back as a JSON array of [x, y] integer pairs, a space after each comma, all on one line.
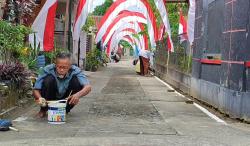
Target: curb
[[9, 113]]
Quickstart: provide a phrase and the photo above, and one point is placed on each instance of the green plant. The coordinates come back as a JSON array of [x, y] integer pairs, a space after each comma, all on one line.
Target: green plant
[[104, 59], [50, 56], [29, 56], [12, 40], [90, 22], [101, 10], [92, 61], [125, 44]]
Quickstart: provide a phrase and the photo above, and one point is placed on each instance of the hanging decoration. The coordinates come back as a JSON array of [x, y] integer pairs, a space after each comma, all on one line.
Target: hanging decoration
[[160, 4], [44, 26], [118, 6], [182, 28]]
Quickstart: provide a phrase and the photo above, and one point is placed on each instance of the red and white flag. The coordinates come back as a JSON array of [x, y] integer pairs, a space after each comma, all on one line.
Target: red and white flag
[[161, 32], [44, 26], [139, 6], [169, 44], [80, 19], [160, 4], [182, 28], [191, 21]]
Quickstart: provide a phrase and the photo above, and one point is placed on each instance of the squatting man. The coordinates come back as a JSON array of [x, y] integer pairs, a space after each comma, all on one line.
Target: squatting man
[[58, 81]]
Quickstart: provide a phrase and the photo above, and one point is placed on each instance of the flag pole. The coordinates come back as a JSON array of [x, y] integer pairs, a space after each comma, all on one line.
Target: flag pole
[[168, 60], [66, 24], [69, 24], [190, 56]]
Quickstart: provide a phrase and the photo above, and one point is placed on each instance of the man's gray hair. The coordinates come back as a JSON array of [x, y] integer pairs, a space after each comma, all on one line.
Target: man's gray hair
[[63, 55]]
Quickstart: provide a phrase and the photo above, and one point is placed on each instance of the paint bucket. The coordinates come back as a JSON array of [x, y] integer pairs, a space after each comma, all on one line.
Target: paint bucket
[[57, 113]]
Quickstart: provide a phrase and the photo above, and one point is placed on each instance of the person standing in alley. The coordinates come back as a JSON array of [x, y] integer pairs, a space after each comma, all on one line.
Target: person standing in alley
[[144, 56], [58, 81]]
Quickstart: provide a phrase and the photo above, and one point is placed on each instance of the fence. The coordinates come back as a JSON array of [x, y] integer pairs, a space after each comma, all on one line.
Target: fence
[[179, 59]]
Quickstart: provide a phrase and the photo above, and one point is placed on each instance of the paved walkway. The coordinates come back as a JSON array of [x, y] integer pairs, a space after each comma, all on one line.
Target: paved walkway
[[125, 109]]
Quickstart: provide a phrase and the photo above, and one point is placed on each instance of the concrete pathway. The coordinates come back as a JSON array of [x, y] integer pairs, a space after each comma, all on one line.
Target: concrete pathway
[[125, 109]]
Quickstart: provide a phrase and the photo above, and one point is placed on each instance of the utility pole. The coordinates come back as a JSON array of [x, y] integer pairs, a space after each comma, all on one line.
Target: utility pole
[[69, 24]]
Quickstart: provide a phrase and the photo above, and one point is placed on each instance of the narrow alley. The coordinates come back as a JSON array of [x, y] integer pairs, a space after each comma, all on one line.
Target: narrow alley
[[125, 109]]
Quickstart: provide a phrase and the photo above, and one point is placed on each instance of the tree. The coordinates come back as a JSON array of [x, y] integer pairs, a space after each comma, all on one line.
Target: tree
[[173, 14], [102, 9], [125, 44], [90, 22]]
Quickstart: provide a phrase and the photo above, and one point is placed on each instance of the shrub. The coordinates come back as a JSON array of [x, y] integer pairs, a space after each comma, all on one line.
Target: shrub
[[92, 61], [50, 56], [14, 72], [12, 40], [16, 77]]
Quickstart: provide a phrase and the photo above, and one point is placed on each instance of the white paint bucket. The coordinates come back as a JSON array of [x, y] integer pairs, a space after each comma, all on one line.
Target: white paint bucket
[[57, 113]]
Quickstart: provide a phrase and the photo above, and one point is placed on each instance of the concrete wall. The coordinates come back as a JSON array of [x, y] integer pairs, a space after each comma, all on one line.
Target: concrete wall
[[231, 102], [221, 27], [174, 77]]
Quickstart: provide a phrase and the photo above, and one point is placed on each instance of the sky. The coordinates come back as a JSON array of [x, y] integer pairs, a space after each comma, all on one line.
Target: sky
[[96, 3]]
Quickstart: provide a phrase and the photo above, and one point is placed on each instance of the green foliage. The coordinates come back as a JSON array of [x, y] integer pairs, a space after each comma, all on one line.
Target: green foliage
[[50, 56], [173, 14], [156, 12], [92, 60], [90, 22], [180, 60], [105, 59], [12, 51], [101, 10], [29, 57], [12, 40], [125, 44]]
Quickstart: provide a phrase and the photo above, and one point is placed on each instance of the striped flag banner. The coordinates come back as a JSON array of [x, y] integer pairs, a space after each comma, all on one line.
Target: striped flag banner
[[191, 21], [182, 28], [80, 19], [44, 26], [160, 4]]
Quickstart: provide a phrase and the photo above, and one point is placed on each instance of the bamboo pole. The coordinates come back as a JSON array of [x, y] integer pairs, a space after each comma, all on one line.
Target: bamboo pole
[[190, 56], [66, 24], [69, 24], [168, 60]]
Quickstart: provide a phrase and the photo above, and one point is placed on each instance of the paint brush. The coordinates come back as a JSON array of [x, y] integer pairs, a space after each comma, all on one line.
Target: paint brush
[[14, 129], [69, 95], [63, 100]]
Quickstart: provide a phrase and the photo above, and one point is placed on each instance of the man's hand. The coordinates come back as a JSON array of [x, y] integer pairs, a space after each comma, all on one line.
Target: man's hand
[[41, 101], [74, 99]]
